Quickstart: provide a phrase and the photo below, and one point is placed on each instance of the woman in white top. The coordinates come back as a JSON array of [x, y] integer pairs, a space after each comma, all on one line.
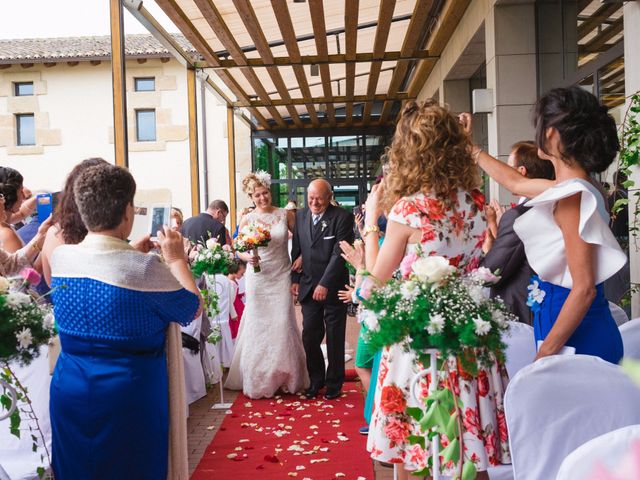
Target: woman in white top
[[566, 233]]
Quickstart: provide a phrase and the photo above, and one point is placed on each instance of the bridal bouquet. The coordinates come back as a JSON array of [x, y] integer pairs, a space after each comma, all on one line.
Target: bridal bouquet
[[251, 237], [437, 306], [26, 323], [212, 258]]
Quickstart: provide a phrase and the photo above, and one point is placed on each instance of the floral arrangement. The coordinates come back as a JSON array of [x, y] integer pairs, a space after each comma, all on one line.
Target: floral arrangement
[[27, 324], [212, 258], [212, 309], [250, 237], [434, 305]]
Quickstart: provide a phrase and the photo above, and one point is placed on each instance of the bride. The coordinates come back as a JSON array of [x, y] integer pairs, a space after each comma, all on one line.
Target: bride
[[269, 355]]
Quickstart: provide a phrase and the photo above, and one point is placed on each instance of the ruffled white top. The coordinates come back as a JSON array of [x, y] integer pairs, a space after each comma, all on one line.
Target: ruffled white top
[[544, 243]]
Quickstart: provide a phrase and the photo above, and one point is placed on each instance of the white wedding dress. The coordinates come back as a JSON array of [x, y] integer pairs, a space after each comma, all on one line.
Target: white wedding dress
[[269, 354]]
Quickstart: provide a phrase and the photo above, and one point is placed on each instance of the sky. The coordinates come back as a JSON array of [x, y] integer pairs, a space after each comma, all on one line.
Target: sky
[[67, 18]]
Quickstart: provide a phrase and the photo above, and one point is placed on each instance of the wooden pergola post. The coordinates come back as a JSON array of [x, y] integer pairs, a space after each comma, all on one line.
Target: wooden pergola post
[[120, 139], [193, 142], [231, 146]]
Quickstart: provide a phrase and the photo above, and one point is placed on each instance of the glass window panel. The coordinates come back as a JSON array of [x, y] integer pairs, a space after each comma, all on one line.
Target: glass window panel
[[22, 89], [26, 131], [146, 125], [145, 84], [307, 157]]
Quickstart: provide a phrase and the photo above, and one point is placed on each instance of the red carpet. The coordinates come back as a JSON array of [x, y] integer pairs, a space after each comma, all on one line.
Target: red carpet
[[289, 437]]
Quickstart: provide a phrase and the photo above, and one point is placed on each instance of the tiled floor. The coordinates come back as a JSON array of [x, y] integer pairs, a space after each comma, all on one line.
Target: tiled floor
[[203, 422]]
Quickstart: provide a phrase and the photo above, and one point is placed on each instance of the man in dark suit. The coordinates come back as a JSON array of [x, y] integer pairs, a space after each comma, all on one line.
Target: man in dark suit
[[319, 229], [209, 224], [506, 251]]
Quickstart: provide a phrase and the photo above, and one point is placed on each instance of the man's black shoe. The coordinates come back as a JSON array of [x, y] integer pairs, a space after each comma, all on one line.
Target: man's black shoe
[[332, 394], [311, 393]]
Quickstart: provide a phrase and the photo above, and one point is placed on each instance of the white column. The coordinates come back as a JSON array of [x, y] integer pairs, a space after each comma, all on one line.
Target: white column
[[511, 74], [632, 84]]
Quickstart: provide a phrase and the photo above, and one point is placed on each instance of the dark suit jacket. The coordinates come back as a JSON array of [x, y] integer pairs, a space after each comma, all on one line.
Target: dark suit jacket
[[507, 254], [322, 262], [203, 227]]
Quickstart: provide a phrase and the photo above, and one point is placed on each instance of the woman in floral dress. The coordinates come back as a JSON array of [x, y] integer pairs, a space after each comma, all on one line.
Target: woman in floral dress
[[436, 207]]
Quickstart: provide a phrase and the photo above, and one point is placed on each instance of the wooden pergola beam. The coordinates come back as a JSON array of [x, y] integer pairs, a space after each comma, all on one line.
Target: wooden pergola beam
[[120, 137], [416, 28], [351, 9], [380, 97], [180, 19], [385, 15], [341, 58], [248, 16], [288, 33], [218, 25], [316, 10]]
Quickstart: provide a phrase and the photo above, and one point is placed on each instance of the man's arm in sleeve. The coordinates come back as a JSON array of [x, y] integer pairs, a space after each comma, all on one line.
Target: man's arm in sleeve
[[507, 253]]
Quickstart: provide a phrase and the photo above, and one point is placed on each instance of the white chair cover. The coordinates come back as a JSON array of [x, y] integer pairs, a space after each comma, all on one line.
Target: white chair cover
[[608, 451], [16, 457], [630, 332], [193, 369], [224, 348], [618, 314], [560, 402], [521, 346]]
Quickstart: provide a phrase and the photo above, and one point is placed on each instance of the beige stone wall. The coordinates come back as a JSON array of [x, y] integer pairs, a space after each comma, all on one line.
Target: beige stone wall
[[73, 108]]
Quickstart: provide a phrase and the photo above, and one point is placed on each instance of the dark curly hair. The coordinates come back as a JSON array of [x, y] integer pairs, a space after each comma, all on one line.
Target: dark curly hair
[[66, 214], [587, 132], [10, 184], [102, 195]]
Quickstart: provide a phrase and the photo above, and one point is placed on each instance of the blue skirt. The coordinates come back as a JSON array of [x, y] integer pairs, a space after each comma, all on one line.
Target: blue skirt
[[109, 409], [596, 335]]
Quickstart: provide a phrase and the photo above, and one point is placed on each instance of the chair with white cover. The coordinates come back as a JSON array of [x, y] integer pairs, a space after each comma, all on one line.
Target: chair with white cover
[[193, 370], [607, 452], [16, 456], [618, 314], [560, 402], [630, 332], [521, 346]]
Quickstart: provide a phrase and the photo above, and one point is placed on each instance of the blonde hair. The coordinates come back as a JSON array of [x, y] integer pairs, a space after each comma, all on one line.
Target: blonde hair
[[430, 153], [253, 180]]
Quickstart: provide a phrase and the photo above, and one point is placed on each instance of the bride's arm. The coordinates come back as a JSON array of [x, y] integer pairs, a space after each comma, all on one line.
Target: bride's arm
[[291, 220]]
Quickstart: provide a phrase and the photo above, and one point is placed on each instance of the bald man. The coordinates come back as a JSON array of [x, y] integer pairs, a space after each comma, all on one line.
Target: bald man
[[319, 230]]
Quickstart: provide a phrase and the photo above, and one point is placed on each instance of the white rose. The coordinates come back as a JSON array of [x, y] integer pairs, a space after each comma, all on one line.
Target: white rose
[[436, 324], [482, 326], [24, 338], [4, 285], [18, 299], [211, 243], [484, 275], [217, 256], [370, 319], [48, 321], [499, 317], [431, 269]]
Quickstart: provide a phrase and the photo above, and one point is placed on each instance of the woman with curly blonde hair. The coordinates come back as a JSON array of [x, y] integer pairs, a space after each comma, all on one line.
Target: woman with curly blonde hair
[[435, 208], [269, 355]]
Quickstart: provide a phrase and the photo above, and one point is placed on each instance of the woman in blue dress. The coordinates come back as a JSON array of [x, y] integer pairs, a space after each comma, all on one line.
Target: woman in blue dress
[[566, 233], [113, 306]]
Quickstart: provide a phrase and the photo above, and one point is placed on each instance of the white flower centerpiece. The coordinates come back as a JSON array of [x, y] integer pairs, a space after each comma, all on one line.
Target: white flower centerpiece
[[436, 307]]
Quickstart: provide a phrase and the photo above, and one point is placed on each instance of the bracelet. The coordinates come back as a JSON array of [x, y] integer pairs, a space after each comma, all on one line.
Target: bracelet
[[35, 246], [369, 229], [475, 154]]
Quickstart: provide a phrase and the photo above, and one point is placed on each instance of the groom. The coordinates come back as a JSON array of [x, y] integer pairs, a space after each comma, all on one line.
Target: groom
[[316, 243]]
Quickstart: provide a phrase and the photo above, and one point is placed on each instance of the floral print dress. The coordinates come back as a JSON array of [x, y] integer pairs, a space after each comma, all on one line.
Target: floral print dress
[[455, 231]]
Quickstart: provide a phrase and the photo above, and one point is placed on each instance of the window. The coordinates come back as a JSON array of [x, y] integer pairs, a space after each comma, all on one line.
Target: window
[[22, 89], [146, 125], [145, 84], [25, 126]]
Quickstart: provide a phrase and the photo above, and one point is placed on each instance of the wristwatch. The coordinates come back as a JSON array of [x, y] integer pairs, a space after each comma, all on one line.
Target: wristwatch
[[370, 228]]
